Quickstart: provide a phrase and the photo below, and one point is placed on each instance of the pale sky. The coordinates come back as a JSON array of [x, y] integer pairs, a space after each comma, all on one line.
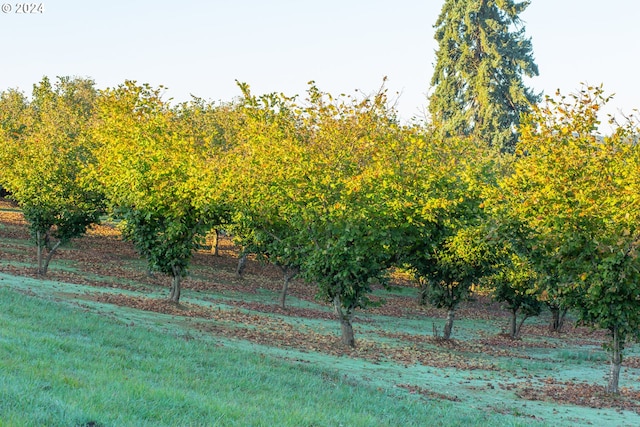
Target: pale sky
[[202, 47]]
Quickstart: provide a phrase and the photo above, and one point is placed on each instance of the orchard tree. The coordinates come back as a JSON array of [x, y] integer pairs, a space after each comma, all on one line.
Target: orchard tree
[[459, 262], [273, 240], [45, 151], [438, 209], [579, 193], [152, 164], [304, 176], [477, 88], [255, 226], [514, 283], [529, 271]]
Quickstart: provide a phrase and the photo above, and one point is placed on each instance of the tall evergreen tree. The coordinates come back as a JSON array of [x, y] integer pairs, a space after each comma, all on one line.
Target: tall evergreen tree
[[477, 85]]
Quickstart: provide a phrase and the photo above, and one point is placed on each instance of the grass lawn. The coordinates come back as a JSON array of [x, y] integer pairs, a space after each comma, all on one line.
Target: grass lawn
[[67, 367]]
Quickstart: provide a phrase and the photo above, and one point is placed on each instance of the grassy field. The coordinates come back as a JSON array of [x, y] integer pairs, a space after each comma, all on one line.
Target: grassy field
[[97, 344], [66, 367]]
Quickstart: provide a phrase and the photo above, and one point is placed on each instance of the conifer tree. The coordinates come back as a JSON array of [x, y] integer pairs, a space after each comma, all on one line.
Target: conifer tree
[[477, 88]]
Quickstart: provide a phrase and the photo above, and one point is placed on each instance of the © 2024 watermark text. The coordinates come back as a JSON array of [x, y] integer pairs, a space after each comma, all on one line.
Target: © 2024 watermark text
[[22, 8]]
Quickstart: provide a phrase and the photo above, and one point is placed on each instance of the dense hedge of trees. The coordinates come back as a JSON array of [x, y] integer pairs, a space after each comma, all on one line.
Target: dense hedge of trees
[[338, 191]]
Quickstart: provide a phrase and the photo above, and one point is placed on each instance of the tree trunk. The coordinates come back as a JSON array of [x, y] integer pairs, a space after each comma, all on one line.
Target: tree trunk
[[288, 274], [42, 242], [346, 328], [557, 318], [48, 258], [175, 285], [40, 245], [519, 327], [616, 362], [448, 326], [513, 325], [214, 244], [242, 262], [424, 291]]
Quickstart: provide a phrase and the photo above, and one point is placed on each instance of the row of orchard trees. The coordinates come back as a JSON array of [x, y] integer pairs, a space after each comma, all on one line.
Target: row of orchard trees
[[338, 191], [332, 189]]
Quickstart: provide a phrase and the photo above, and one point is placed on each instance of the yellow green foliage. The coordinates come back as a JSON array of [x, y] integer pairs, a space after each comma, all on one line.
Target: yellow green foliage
[[44, 151], [575, 196], [152, 162]]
